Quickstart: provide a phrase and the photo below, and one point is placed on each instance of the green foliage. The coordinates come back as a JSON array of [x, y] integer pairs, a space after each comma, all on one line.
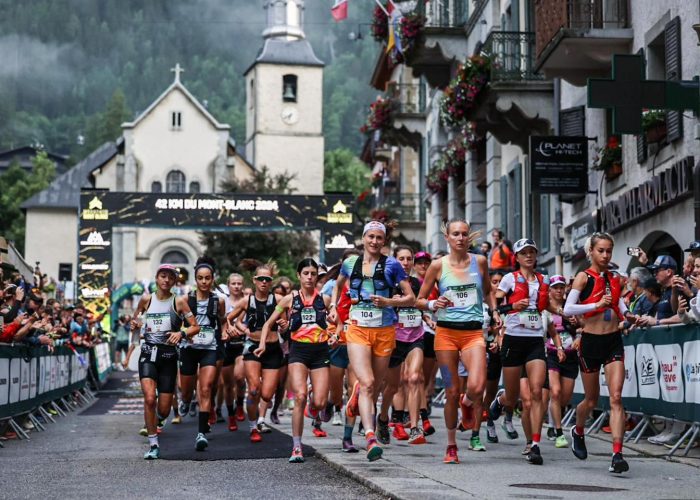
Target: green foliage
[[343, 171], [16, 185]]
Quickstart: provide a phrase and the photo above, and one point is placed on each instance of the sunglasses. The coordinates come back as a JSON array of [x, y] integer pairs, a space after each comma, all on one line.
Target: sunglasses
[[264, 279]]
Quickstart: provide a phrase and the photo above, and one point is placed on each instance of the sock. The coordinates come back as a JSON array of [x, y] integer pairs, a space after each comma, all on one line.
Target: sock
[[452, 437], [529, 441], [347, 432], [261, 420], [369, 435], [424, 414], [396, 415], [535, 439], [203, 422], [617, 446], [161, 418], [329, 407], [509, 416], [489, 423], [230, 410], [252, 424], [153, 440], [337, 407], [579, 430], [559, 432], [475, 434], [239, 401], [296, 440]]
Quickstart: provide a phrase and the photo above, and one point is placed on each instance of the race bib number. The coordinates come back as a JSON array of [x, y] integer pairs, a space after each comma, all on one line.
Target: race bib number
[[308, 316], [366, 315], [531, 318], [205, 336], [159, 322], [410, 318], [462, 296]]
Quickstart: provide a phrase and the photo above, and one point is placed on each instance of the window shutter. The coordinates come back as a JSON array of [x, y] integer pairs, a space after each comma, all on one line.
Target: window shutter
[[672, 48], [641, 148], [572, 122], [504, 203]]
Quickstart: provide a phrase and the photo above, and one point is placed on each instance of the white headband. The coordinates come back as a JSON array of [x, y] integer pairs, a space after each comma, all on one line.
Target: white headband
[[373, 224]]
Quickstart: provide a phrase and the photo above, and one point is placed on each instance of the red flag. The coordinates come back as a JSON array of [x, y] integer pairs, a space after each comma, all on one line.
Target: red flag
[[340, 10]]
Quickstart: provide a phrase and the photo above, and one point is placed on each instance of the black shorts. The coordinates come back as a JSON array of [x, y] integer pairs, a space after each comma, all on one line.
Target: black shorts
[[122, 346], [429, 345], [339, 356], [220, 352], [567, 369], [523, 374], [517, 351], [271, 359], [599, 350], [312, 355], [494, 366], [231, 353], [402, 350], [161, 367], [191, 359]]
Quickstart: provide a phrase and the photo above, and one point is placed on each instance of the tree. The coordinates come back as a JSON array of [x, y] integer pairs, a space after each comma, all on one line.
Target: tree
[[16, 186], [343, 171], [286, 248]]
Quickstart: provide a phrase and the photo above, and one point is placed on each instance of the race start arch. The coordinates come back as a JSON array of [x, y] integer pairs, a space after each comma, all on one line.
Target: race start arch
[[100, 211]]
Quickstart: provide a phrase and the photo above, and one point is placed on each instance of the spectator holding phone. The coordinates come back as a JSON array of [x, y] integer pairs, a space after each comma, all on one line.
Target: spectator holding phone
[[501, 255], [664, 269], [688, 307]]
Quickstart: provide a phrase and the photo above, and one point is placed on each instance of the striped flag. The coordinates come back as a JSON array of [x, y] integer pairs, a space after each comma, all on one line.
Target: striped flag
[[340, 10]]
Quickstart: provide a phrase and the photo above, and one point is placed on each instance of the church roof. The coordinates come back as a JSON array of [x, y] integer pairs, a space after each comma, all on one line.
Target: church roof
[[291, 52], [64, 191]]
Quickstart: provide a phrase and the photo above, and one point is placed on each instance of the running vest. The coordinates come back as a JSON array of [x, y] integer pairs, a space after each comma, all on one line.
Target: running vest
[[522, 291], [378, 279], [599, 285], [464, 289], [160, 320], [307, 321], [259, 312], [207, 313]]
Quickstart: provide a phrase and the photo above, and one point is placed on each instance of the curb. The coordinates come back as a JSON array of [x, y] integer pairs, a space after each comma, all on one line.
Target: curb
[[691, 461]]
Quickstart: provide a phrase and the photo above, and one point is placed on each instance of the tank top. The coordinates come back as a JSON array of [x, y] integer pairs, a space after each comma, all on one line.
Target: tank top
[[464, 289], [308, 319], [409, 327], [206, 339], [160, 320]]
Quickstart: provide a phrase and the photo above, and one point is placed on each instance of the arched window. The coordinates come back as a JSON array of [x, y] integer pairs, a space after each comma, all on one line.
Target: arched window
[[175, 182], [156, 187], [174, 257], [194, 187], [289, 88]]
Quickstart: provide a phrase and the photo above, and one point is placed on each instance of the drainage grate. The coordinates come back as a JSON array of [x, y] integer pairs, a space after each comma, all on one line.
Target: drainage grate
[[566, 487]]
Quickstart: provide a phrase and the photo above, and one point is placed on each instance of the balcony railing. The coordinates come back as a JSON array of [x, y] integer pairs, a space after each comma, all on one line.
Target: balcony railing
[[409, 97], [512, 56], [444, 13], [401, 206]]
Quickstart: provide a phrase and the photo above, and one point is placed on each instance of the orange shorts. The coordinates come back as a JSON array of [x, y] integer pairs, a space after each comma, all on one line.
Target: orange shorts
[[382, 340], [447, 339]]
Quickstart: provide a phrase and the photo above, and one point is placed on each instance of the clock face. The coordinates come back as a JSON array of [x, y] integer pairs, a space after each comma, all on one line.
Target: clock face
[[290, 115]]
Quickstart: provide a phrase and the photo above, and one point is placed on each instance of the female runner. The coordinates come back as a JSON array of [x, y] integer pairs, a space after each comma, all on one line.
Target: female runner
[[308, 350], [233, 371], [595, 294], [463, 283], [421, 262]]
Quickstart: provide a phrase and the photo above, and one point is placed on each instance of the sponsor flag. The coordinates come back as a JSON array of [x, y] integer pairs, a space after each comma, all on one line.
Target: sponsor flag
[[340, 10], [394, 17]]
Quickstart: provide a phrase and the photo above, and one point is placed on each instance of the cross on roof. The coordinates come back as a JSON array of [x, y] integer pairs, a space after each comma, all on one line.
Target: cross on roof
[[177, 70]]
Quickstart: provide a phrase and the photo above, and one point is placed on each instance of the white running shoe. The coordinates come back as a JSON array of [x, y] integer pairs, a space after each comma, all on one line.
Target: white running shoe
[[337, 418]]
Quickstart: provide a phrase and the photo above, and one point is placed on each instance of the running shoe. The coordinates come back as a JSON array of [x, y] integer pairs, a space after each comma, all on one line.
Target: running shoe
[[578, 445], [416, 437], [52, 411], [274, 418], [508, 428], [618, 464], [451, 455], [374, 451], [319, 433], [526, 450], [606, 429], [352, 408], [475, 444], [177, 419], [297, 456], [551, 434], [383, 435], [153, 453], [212, 419], [327, 413], [159, 426], [143, 432], [534, 457], [428, 429], [200, 442], [561, 442], [400, 433], [264, 428], [337, 418], [467, 420], [491, 435], [495, 408], [193, 409], [240, 414], [348, 447], [232, 424], [255, 436], [183, 408]]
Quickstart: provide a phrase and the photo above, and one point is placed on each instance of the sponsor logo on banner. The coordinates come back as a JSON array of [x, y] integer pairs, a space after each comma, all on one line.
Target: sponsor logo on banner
[[629, 390], [94, 211], [340, 214], [24, 380], [691, 371], [671, 380], [14, 380], [339, 241], [95, 239], [94, 267], [647, 371], [89, 293]]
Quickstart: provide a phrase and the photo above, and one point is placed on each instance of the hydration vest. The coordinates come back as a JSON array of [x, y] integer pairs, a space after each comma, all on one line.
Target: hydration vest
[[378, 279], [212, 309], [599, 285], [522, 291], [298, 304], [257, 316]]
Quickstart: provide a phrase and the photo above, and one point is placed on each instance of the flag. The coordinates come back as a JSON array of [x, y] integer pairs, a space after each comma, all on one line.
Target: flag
[[340, 10], [394, 19]]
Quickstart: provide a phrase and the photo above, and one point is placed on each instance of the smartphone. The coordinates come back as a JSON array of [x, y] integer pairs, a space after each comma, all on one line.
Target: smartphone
[[634, 251]]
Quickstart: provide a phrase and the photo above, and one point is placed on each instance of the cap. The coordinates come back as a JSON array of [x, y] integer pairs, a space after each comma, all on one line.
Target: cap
[[664, 262], [322, 269], [167, 267], [422, 255], [556, 280], [693, 247], [522, 244]]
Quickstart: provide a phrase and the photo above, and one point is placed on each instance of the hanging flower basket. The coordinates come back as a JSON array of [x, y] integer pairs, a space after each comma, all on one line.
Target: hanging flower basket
[[380, 25], [613, 171], [609, 158], [654, 125], [460, 96], [380, 115]]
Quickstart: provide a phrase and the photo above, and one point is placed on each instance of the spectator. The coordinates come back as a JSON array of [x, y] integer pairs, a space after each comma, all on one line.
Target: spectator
[[688, 306], [694, 249], [485, 248], [121, 341], [664, 269], [501, 256], [639, 303]]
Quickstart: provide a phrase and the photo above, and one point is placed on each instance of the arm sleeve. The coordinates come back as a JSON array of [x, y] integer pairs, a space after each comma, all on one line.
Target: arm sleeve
[[573, 308], [622, 306]]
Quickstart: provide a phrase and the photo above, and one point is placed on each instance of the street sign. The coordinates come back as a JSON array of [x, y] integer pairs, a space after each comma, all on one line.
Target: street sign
[[558, 165], [629, 92]]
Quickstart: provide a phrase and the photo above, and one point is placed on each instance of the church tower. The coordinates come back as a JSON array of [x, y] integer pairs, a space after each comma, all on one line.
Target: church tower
[[284, 100]]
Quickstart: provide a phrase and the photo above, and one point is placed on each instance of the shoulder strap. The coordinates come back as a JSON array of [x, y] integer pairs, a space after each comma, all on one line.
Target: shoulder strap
[[357, 268], [379, 269], [192, 302]]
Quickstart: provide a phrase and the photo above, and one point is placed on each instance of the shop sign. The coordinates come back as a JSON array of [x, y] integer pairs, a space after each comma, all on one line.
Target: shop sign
[[559, 165]]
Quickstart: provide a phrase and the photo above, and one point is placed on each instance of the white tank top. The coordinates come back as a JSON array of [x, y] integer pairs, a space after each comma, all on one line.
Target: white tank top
[[158, 320]]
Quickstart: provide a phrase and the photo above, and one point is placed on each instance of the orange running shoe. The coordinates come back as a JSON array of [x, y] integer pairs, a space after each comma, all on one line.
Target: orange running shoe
[[400, 433], [319, 433], [467, 413], [428, 429], [240, 414], [232, 424], [212, 417], [451, 455], [255, 436], [352, 408]]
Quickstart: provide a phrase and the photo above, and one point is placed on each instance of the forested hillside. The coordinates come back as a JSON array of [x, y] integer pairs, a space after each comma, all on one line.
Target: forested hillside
[[72, 70]]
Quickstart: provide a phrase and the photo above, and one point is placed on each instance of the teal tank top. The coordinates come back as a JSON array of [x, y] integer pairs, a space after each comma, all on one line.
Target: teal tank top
[[464, 289]]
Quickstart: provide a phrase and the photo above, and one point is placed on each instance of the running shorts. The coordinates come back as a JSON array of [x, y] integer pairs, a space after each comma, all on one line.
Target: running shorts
[[517, 351], [339, 356], [382, 339], [231, 353], [523, 374], [160, 366], [493, 366], [402, 350], [122, 346], [312, 355], [191, 359], [597, 350], [429, 345], [448, 339], [567, 369], [271, 358]]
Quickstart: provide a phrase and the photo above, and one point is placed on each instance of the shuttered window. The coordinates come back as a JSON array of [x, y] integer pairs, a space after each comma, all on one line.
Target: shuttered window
[[572, 122], [641, 138], [672, 55]]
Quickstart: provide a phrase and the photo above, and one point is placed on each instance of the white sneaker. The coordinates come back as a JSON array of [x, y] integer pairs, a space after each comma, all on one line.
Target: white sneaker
[[669, 438], [659, 437], [337, 418]]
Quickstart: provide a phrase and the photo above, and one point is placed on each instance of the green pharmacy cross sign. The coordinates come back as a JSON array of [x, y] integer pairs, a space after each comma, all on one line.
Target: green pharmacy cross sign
[[629, 92]]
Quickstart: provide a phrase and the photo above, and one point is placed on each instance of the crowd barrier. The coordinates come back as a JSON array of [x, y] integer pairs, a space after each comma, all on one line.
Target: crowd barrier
[[101, 363]]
